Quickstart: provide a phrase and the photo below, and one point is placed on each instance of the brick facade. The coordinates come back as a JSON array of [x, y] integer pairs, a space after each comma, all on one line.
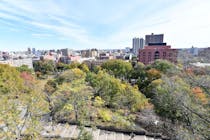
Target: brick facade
[[150, 53]]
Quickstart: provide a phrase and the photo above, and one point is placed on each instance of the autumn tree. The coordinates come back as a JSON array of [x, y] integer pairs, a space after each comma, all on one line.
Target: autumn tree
[[70, 75], [118, 68], [21, 103], [163, 66], [115, 93], [69, 95], [173, 101]]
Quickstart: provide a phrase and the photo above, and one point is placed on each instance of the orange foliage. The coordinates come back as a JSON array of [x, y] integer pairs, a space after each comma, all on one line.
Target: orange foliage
[[198, 92]]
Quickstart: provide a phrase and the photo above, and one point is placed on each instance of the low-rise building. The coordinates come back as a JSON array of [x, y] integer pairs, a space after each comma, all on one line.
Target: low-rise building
[[89, 53], [18, 62], [153, 52]]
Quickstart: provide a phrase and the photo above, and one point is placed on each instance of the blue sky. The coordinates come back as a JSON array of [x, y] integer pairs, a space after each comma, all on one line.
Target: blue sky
[[83, 24]]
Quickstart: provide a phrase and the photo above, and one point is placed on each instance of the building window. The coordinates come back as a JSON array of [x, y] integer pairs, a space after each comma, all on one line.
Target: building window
[[144, 54], [164, 54], [157, 55]]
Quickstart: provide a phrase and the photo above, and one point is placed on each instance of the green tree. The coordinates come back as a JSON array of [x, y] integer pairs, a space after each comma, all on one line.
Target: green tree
[[71, 97], [61, 66], [118, 68], [74, 65], [24, 68], [44, 66], [115, 93], [138, 71], [163, 66], [84, 67]]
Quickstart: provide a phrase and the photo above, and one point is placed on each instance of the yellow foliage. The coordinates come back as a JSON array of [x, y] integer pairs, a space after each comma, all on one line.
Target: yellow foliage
[[98, 101], [105, 115], [78, 73], [68, 107], [157, 82]]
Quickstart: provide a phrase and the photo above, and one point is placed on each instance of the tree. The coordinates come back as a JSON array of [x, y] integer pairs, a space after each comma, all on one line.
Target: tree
[[69, 95], [138, 71], [74, 65], [24, 68], [50, 87], [153, 74], [163, 66], [145, 81], [70, 75], [21, 104], [79, 97], [173, 101], [44, 66], [200, 95], [118, 68], [116, 94], [201, 81], [84, 67], [61, 66]]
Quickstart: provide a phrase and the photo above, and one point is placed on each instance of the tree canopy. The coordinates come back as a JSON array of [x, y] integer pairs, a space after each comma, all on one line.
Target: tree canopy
[[21, 103], [118, 68]]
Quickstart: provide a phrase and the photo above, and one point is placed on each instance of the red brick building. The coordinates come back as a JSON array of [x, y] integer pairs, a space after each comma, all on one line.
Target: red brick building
[[152, 52]]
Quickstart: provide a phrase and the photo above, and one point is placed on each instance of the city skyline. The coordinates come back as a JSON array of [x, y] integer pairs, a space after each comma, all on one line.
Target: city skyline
[[101, 24]]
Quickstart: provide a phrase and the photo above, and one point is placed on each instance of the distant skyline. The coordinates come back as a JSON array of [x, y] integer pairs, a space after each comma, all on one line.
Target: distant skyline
[[101, 24]]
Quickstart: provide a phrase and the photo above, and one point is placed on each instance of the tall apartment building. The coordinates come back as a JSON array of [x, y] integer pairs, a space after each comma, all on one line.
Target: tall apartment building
[[154, 39], [138, 43]]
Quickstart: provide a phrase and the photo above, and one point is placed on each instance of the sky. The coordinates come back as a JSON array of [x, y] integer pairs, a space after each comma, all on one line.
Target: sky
[[101, 24]]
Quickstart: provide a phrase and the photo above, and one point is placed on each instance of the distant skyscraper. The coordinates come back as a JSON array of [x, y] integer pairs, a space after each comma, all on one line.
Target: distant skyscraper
[[154, 39], [33, 51], [142, 43], [29, 50], [138, 43]]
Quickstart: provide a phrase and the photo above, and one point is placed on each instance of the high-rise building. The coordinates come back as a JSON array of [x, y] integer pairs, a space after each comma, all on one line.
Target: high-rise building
[[29, 51], [138, 43], [33, 51], [154, 39]]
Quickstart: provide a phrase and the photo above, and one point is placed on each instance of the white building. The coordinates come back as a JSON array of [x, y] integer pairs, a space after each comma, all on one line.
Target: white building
[[199, 64], [18, 62]]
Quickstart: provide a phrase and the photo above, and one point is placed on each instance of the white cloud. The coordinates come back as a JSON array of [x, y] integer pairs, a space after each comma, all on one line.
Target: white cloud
[[184, 24], [41, 35]]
